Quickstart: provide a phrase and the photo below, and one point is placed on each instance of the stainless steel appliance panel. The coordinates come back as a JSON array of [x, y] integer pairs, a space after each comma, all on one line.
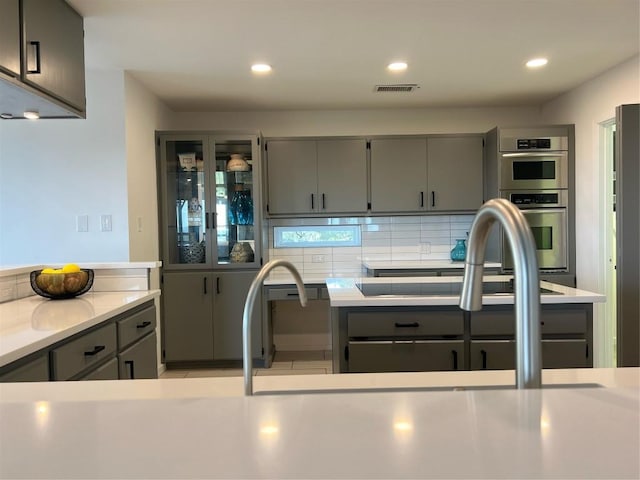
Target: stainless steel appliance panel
[[534, 170], [549, 228], [533, 143]]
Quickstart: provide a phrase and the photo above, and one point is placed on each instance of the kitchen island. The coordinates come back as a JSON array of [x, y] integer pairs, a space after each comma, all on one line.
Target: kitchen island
[[414, 323], [364, 428]]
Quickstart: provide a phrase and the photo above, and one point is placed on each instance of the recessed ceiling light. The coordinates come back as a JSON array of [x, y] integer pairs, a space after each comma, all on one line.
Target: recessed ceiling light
[[397, 66], [260, 68], [32, 114], [537, 62]]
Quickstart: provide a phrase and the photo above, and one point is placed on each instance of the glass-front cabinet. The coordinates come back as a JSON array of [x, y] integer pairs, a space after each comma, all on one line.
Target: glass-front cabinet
[[210, 195]]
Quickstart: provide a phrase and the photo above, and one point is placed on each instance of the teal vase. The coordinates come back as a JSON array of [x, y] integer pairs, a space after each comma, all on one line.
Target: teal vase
[[459, 252]]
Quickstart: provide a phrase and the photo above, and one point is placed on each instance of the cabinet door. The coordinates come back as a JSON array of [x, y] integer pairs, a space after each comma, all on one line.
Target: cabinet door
[[398, 175], [493, 355], [186, 210], [231, 293], [108, 371], [187, 300], [292, 176], [455, 173], [139, 360], [10, 37], [34, 371], [54, 49], [406, 356], [570, 353], [236, 196], [342, 176]]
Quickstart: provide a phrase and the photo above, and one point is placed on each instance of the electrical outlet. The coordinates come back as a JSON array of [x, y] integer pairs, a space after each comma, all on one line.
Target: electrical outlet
[[317, 258], [425, 247]]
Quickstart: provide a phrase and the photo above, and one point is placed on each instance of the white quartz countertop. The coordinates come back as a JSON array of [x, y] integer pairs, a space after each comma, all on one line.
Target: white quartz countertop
[[581, 431], [343, 292], [33, 323], [8, 270], [420, 265]]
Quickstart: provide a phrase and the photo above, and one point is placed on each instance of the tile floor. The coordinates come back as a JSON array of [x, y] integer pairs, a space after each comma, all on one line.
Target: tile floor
[[284, 363]]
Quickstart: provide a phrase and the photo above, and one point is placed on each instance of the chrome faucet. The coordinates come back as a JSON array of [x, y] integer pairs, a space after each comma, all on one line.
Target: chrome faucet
[[247, 360], [527, 285]]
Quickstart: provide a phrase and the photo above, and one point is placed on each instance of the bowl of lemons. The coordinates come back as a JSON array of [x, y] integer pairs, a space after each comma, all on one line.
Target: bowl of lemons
[[66, 282]]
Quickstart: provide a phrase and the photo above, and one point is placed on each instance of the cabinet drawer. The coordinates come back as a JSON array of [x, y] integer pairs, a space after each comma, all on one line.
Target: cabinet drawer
[[290, 294], [139, 360], [108, 371], [34, 371], [83, 352], [501, 354], [503, 322], [406, 356], [136, 326], [403, 324], [565, 354]]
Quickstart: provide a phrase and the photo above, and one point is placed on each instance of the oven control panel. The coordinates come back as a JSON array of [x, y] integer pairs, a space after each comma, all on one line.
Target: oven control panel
[[533, 143]]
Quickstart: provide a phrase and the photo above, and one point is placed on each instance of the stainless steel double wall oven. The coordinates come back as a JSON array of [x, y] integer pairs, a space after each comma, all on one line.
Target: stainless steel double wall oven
[[534, 174]]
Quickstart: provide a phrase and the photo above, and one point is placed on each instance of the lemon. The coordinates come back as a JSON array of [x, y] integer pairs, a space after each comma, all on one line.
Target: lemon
[[48, 270], [70, 268]]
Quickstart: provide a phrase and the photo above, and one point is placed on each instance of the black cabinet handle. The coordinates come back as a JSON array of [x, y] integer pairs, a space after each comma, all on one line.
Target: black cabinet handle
[[407, 325], [204, 284], [129, 363], [206, 221], [433, 198], [214, 220], [312, 202], [323, 207], [143, 324], [422, 199], [218, 285], [346, 353], [293, 295], [484, 359], [36, 54], [97, 349], [455, 359]]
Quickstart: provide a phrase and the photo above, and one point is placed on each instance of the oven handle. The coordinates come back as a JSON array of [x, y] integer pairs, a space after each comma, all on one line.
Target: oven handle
[[535, 154], [527, 211]]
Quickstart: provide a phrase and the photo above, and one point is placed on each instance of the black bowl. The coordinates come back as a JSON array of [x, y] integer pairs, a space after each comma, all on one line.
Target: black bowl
[[58, 286]]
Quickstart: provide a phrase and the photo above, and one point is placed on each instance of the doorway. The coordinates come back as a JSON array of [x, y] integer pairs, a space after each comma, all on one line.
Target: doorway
[[608, 326]]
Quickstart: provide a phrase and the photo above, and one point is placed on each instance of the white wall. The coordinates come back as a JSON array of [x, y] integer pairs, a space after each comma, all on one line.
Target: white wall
[[587, 107], [53, 170], [144, 114], [361, 122]]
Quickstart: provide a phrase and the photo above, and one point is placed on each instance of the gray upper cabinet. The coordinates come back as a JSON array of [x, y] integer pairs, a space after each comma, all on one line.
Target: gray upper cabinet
[[317, 176], [454, 174], [428, 174], [398, 175], [53, 50], [10, 37]]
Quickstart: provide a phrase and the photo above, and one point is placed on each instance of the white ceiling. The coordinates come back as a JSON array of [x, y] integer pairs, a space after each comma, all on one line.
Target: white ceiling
[[329, 54]]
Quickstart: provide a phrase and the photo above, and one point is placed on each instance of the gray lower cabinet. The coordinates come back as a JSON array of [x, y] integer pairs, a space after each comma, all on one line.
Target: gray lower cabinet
[[203, 316], [31, 370], [405, 355], [306, 176], [501, 354], [108, 371], [94, 354], [139, 360]]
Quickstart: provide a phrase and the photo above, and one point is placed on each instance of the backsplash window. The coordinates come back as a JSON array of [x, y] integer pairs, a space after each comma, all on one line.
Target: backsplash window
[[317, 236]]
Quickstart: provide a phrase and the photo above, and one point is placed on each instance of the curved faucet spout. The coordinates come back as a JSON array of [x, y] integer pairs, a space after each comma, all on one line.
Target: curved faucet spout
[[247, 360], [527, 284]]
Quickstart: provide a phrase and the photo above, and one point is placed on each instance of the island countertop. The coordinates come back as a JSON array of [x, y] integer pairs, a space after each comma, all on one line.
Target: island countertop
[[579, 431], [344, 292]]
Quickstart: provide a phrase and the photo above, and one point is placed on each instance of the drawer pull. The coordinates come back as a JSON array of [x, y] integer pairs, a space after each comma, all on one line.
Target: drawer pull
[[144, 324], [484, 359], [407, 325], [455, 359], [97, 349], [129, 363], [293, 295]]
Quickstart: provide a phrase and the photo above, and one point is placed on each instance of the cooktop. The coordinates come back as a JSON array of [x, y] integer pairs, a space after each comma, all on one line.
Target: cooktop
[[435, 289]]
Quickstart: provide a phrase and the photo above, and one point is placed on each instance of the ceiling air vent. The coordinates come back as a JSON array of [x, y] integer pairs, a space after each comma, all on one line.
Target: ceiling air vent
[[401, 87]]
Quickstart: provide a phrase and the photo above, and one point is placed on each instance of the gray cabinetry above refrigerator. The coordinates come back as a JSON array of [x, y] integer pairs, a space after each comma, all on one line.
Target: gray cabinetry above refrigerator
[[10, 37]]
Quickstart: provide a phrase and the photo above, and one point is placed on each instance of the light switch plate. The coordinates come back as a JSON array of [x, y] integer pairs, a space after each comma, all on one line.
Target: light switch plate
[[105, 223], [82, 223]]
